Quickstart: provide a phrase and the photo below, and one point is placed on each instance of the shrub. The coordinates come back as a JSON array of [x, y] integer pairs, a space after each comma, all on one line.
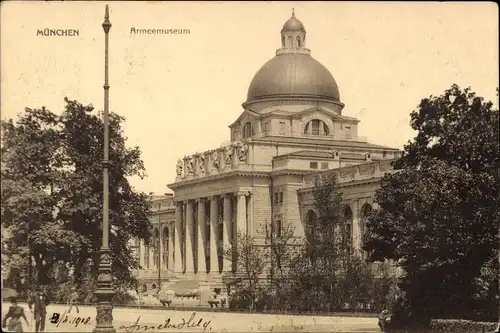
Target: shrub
[[459, 326]]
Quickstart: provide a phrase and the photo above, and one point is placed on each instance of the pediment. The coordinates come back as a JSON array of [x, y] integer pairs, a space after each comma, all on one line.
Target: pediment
[[315, 109], [325, 112], [247, 112], [279, 112]]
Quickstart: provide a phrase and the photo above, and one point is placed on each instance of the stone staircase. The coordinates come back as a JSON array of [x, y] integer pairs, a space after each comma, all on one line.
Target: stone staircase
[[192, 289]]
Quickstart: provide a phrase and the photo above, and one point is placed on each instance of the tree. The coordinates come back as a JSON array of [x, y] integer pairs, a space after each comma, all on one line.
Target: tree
[[52, 190], [328, 274], [325, 256], [252, 260], [385, 293], [438, 216], [327, 242], [283, 245], [357, 281]]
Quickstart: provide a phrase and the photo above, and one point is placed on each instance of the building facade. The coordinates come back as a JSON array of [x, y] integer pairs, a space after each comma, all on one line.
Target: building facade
[[291, 129]]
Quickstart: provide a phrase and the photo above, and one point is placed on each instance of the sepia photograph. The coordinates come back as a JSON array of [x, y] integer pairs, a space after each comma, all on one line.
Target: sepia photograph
[[250, 166]]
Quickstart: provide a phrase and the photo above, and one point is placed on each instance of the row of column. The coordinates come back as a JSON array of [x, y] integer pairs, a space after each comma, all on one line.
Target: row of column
[[204, 236], [147, 254]]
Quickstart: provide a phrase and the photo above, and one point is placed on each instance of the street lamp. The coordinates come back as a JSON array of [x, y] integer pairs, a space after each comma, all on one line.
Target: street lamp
[[159, 247], [158, 253], [105, 292]]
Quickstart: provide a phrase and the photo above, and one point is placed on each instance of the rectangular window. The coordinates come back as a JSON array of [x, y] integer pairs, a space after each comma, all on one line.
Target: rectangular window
[[278, 228], [324, 165], [277, 225], [266, 127], [278, 197], [313, 165], [282, 128]]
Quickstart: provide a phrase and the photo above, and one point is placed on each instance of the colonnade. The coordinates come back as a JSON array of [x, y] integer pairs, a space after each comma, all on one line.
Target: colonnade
[[203, 229]]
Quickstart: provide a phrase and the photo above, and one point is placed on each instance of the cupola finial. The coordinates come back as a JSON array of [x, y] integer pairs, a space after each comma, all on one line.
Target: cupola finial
[[293, 12]]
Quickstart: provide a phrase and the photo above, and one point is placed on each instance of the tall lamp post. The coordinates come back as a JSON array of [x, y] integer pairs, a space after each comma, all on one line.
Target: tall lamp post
[[159, 248], [105, 292]]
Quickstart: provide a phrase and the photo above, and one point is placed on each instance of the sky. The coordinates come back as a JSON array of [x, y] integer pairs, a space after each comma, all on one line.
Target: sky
[[179, 93]]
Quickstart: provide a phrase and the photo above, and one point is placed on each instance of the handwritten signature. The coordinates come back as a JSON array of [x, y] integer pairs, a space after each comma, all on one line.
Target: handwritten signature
[[183, 323]]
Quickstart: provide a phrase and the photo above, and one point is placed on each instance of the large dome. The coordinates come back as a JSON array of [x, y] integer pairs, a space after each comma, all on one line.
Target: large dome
[[293, 75]]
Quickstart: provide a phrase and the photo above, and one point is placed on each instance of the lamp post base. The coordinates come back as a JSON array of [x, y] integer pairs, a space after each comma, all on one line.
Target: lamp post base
[[104, 295]]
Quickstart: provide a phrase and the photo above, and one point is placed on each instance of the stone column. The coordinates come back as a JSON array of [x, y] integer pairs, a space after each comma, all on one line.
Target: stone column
[[241, 211], [151, 257], [356, 227], [189, 236], [141, 253], [241, 207], [227, 231], [170, 247], [214, 221], [178, 239], [160, 246], [250, 215], [201, 237]]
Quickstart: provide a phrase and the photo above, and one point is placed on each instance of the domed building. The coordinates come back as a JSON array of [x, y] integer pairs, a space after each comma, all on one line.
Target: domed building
[[291, 128]]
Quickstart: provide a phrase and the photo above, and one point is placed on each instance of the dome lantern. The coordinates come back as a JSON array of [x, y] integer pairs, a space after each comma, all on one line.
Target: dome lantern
[[293, 36]]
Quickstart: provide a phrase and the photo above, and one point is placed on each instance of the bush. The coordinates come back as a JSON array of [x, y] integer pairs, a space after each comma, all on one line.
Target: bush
[[123, 298], [459, 326], [60, 293], [239, 300]]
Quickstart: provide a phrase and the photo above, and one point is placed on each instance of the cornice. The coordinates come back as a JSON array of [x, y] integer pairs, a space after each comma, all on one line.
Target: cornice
[[280, 114], [352, 183], [288, 98], [341, 144], [325, 159], [219, 176], [291, 172], [169, 210]]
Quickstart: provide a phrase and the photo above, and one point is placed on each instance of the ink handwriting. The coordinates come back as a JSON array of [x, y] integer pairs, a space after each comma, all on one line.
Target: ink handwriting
[[56, 319], [183, 323]]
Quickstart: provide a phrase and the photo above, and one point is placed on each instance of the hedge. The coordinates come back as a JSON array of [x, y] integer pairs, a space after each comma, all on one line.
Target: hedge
[[462, 326]]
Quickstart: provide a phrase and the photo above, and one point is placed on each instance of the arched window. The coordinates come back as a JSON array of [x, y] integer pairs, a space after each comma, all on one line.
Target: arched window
[[165, 242], [299, 42], [316, 127], [365, 211], [311, 219], [283, 41], [347, 232], [290, 41], [248, 130]]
